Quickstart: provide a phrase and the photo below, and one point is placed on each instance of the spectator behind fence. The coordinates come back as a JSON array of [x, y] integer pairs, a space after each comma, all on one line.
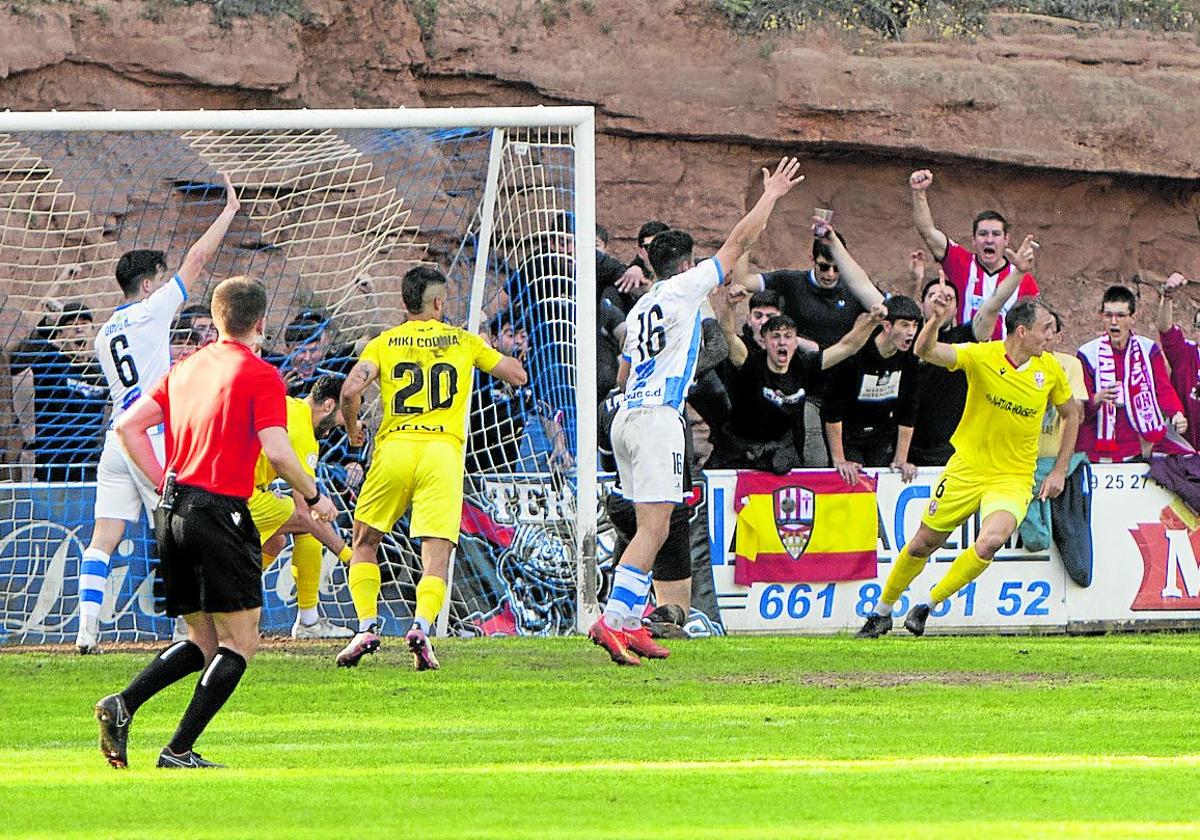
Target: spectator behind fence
[[500, 413], [541, 294], [1183, 355], [1129, 393], [307, 339], [941, 393], [868, 411], [193, 329], [975, 274], [824, 302], [59, 396], [1066, 518], [768, 390]]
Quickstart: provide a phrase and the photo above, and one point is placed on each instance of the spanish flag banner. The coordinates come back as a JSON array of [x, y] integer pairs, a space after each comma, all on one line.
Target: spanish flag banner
[[810, 527]]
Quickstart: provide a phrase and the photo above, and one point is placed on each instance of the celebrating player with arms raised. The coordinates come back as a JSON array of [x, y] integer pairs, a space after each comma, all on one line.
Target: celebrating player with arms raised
[[1009, 384], [425, 372], [658, 364], [134, 351]]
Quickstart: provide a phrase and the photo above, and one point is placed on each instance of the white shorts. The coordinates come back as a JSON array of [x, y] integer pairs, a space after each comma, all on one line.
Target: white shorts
[[648, 445], [121, 488]]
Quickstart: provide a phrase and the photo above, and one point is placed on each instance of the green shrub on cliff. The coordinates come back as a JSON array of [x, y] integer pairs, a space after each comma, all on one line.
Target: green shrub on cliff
[[947, 18], [225, 12]]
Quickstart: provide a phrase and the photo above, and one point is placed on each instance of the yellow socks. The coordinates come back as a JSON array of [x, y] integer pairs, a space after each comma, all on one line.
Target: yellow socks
[[345, 554], [364, 591], [904, 570], [965, 568], [306, 568], [431, 594]]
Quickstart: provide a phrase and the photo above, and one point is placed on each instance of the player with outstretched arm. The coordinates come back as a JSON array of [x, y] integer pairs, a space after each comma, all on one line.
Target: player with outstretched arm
[[134, 351], [658, 363], [1009, 384]]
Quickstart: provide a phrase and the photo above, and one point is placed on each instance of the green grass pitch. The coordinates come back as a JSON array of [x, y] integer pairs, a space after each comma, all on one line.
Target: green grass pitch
[[739, 737]]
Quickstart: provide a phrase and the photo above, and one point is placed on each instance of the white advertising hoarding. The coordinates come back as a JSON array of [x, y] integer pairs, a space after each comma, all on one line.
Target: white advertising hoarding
[[1145, 567]]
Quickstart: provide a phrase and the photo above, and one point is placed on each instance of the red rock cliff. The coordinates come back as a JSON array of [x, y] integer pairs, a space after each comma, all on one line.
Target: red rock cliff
[[1085, 137]]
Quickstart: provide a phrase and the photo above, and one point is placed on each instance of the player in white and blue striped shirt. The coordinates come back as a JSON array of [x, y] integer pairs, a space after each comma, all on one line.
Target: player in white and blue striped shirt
[[134, 349], [658, 363]]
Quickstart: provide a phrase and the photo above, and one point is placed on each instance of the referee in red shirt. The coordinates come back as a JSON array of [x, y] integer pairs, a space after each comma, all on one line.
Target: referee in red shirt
[[221, 407]]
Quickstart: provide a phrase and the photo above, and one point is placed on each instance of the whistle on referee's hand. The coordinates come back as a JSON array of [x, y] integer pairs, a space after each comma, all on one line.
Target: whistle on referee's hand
[[170, 492]]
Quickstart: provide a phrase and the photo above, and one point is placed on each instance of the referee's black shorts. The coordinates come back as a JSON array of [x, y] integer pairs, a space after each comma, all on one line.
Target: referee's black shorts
[[210, 558]]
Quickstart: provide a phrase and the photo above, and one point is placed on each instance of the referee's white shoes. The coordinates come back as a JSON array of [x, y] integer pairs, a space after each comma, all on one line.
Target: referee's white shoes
[[322, 629]]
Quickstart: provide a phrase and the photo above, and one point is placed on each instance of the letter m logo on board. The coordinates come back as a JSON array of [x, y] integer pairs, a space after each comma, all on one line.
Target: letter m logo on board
[[1170, 569], [794, 509]]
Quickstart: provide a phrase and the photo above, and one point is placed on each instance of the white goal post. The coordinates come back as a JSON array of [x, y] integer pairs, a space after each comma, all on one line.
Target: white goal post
[[336, 204]]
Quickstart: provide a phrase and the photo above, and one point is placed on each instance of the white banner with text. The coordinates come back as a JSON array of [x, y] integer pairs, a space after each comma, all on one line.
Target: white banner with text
[[1145, 570]]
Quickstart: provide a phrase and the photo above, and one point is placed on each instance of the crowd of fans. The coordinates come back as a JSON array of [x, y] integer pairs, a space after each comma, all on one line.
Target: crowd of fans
[[814, 367], [798, 367]]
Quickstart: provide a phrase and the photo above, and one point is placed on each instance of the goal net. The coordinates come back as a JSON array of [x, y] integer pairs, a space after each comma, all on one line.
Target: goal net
[[335, 207]]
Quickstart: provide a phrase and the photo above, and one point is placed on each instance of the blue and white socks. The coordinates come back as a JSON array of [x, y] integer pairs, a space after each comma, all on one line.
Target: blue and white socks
[[631, 591], [93, 580]]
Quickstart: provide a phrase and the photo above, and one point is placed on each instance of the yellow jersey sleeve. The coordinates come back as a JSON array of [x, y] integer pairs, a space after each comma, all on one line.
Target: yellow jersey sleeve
[[370, 353], [302, 438], [486, 356], [302, 435], [966, 356]]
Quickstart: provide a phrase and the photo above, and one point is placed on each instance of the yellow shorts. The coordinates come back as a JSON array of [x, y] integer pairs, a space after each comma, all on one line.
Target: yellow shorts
[[962, 490], [269, 512], [427, 473]]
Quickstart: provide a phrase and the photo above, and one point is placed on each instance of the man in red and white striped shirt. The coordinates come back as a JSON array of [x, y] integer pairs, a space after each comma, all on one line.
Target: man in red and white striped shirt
[[976, 273]]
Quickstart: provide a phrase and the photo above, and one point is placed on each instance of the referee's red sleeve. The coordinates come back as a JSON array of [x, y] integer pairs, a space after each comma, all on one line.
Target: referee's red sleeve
[[270, 403]]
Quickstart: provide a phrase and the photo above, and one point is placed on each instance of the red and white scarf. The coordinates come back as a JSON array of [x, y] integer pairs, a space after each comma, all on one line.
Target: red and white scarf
[[981, 286], [1137, 390]]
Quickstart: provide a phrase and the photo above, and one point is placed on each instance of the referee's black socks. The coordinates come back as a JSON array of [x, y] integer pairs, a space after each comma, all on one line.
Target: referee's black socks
[[170, 666], [219, 680]]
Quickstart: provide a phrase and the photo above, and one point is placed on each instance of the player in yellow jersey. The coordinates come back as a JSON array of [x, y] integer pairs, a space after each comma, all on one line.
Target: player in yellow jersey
[[426, 371], [275, 516], [1009, 384]]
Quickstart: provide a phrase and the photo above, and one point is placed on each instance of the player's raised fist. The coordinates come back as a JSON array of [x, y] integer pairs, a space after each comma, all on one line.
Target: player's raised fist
[[786, 175], [1175, 281], [875, 317], [920, 180]]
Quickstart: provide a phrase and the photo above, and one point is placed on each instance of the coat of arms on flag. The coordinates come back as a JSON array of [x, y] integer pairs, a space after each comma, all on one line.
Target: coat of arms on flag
[[794, 507], [817, 531]]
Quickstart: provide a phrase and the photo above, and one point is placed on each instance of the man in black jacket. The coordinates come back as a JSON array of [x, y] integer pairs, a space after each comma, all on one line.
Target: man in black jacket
[[868, 410]]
